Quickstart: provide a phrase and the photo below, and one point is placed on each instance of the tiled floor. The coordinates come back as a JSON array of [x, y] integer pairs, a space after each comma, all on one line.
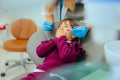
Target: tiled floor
[[16, 71]]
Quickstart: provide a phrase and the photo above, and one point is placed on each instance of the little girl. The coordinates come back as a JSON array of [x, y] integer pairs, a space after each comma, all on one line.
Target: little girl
[[63, 49]]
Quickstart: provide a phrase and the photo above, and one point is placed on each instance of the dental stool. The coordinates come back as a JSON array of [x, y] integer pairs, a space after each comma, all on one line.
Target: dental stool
[[22, 30]]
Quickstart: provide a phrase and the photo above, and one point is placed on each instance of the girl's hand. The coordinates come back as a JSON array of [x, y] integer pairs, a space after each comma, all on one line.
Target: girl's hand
[[59, 33]]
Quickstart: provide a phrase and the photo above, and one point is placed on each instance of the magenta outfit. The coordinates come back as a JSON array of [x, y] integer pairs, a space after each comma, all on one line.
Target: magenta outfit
[[57, 52]]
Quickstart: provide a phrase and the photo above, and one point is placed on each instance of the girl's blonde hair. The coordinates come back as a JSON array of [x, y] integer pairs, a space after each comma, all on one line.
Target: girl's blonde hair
[[70, 4]]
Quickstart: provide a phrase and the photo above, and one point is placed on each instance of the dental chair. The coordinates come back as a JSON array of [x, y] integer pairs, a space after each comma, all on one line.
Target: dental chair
[[92, 48], [22, 29]]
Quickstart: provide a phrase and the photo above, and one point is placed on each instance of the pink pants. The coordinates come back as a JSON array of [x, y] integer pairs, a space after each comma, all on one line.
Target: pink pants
[[34, 76]]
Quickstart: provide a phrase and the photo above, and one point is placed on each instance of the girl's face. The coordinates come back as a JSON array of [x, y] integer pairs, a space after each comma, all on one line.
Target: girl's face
[[64, 29]]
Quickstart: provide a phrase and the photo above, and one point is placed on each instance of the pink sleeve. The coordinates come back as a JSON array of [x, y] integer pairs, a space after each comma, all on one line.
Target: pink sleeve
[[69, 51], [45, 48]]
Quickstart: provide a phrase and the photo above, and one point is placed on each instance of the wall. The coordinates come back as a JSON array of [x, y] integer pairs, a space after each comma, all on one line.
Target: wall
[[14, 9], [104, 15]]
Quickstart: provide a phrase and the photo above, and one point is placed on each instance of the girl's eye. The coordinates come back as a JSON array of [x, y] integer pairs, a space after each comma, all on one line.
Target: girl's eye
[[66, 26]]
